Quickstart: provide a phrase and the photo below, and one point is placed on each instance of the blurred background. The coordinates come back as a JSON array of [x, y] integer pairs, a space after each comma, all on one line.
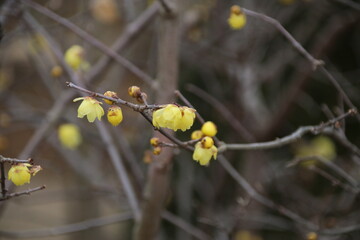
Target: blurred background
[[251, 83]]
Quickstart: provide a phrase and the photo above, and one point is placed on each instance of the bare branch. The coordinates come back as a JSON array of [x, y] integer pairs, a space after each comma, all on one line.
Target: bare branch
[[13, 160], [328, 164], [287, 139], [27, 192]]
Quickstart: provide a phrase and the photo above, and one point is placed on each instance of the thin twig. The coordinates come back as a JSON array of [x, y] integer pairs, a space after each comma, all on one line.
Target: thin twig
[[333, 180], [261, 199], [13, 160], [70, 228], [223, 110], [195, 232], [27, 192], [287, 139], [91, 40], [315, 62], [328, 164]]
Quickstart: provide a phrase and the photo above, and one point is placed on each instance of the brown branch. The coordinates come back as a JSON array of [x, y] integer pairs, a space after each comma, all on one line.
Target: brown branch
[[17, 194]]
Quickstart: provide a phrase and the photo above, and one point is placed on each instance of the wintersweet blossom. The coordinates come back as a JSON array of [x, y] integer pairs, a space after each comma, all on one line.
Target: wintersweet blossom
[[174, 117], [19, 174], [203, 155], [90, 108], [237, 19]]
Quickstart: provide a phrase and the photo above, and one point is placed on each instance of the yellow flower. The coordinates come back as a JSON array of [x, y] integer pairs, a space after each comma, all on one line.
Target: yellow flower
[[203, 155], [115, 115], [195, 135], [89, 107], [174, 117], [69, 135], [75, 58], [19, 174], [237, 19], [110, 94], [209, 129]]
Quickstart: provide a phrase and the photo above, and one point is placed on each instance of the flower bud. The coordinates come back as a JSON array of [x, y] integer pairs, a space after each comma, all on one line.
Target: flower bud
[[209, 129], [134, 91], [195, 135], [114, 115], [112, 95], [157, 150], [154, 141], [207, 142]]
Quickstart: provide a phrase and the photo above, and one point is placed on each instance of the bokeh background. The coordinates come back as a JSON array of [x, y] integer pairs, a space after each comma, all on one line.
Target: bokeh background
[[251, 82]]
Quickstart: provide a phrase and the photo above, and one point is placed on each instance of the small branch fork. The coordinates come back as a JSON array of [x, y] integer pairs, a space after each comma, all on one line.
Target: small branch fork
[[287, 139], [5, 195]]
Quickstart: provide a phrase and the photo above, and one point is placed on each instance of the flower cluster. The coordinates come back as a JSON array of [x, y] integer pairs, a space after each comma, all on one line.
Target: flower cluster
[[21, 173], [204, 151], [174, 117], [205, 148], [237, 19]]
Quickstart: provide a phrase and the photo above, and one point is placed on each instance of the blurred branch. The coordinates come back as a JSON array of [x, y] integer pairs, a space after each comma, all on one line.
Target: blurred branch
[[261, 199], [27, 192], [185, 226], [223, 110], [70, 228], [330, 165], [315, 62], [288, 139], [92, 40], [131, 31]]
